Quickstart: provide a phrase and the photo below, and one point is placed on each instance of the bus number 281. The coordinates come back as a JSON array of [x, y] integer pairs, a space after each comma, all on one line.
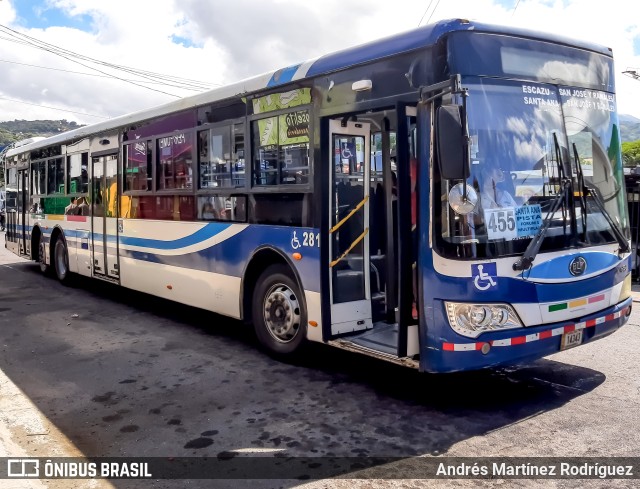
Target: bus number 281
[[310, 239]]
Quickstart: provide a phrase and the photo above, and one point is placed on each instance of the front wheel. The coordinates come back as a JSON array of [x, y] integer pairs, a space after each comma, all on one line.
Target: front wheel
[[279, 312], [61, 260]]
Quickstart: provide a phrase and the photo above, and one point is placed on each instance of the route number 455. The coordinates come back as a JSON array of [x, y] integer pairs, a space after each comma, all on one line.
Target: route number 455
[[501, 223]]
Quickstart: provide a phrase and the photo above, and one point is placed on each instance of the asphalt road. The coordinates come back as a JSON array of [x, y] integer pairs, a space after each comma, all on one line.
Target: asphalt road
[[121, 374]]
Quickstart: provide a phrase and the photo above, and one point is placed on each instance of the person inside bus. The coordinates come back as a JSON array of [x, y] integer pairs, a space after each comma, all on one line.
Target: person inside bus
[[208, 212], [82, 206], [492, 193], [72, 208]]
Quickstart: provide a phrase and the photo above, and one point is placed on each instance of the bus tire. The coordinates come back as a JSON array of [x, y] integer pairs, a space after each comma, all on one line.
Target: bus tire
[[61, 260], [42, 250], [279, 312]]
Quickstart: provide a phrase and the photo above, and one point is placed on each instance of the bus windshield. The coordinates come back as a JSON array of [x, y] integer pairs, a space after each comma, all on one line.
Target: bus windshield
[[524, 140]]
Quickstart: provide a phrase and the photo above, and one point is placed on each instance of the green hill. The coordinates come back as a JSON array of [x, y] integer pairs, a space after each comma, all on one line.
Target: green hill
[[629, 131], [11, 131]]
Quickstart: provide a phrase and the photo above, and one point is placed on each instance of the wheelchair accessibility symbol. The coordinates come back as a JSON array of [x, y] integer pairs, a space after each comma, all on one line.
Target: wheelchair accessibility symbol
[[484, 275], [346, 151], [295, 242]]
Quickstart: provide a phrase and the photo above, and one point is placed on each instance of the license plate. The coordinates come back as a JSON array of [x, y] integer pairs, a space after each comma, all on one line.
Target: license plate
[[569, 340]]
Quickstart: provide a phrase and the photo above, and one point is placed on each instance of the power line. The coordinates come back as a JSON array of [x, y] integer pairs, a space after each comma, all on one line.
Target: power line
[[433, 11], [514, 8], [59, 52], [151, 77], [33, 42], [54, 108], [425, 13], [86, 74]]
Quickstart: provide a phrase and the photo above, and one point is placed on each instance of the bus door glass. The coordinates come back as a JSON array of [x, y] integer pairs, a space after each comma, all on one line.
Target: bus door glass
[[23, 197], [104, 226], [349, 217]]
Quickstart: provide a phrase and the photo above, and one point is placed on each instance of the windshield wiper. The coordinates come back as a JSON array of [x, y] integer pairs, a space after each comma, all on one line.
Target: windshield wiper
[[526, 260], [595, 193], [583, 188], [617, 232]]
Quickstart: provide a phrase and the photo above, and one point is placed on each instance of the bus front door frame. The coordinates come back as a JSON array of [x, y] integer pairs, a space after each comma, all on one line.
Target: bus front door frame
[[406, 261], [23, 208], [349, 168], [104, 219]]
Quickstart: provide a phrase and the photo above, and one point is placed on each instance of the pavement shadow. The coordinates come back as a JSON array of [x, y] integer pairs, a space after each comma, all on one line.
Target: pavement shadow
[[134, 375]]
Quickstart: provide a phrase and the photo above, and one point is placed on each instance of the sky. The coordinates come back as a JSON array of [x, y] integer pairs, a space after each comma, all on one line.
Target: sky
[[217, 42]]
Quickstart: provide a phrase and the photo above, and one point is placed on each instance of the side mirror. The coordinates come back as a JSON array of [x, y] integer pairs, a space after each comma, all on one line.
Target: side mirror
[[452, 143]]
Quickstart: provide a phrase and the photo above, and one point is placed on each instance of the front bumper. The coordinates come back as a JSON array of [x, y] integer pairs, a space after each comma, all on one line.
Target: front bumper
[[457, 353]]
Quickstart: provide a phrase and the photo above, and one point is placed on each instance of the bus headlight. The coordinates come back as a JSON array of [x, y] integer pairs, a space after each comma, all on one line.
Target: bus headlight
[[474, 319]]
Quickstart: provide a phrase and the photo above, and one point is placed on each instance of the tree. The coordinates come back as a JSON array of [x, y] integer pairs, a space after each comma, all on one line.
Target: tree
[[631, 153]]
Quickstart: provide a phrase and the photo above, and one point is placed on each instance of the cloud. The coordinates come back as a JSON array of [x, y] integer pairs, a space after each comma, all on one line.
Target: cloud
[[7, 13], [222, 42]]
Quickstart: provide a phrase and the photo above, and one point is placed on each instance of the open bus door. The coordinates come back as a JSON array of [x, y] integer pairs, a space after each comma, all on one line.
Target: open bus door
[[373, 218], [104, 216], [17, 213], [23, 208], [348, 223]]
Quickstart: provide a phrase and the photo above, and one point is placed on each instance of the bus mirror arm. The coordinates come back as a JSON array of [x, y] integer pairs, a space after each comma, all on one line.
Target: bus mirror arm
[[452, 141], [452, 135], [439, 90]]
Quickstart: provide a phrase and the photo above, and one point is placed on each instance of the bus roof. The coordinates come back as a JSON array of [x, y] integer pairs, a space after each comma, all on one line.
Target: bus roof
[[427, 36], [378, 49]]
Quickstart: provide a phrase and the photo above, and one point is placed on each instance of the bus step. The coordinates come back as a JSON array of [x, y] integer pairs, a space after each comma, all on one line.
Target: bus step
[[383, 337], [378, 297], [346, 344]]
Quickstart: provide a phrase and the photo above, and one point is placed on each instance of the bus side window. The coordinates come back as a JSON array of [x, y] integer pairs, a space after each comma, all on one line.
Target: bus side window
[[289, 209]]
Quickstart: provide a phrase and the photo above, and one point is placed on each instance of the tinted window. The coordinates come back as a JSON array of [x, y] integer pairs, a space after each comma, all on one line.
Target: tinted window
[[221, 208], [77, 176], [221, 157], [169, 208], [281, 149], [38, 178], [284, 209], [55, 176], [174, 162], [507, 56], [138, 166]]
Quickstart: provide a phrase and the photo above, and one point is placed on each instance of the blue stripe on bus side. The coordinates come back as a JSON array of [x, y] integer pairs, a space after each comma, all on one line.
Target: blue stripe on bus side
[[206, 232], [228, 257], [231, 255], [202, 234]]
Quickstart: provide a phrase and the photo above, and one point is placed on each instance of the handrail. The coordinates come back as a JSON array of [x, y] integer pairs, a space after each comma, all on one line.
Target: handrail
[[357, 240], [348, 216]]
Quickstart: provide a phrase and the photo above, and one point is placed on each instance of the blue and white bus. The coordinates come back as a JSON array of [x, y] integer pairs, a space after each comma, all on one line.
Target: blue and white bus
[[371, 199]]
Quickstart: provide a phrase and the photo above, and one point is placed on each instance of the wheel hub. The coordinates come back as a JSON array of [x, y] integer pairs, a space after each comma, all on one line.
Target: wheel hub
[[282, 313]]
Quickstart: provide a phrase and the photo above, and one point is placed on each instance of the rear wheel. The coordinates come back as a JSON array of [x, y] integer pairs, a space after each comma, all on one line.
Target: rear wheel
[[279, 312], [42, 251], [61, 260]]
